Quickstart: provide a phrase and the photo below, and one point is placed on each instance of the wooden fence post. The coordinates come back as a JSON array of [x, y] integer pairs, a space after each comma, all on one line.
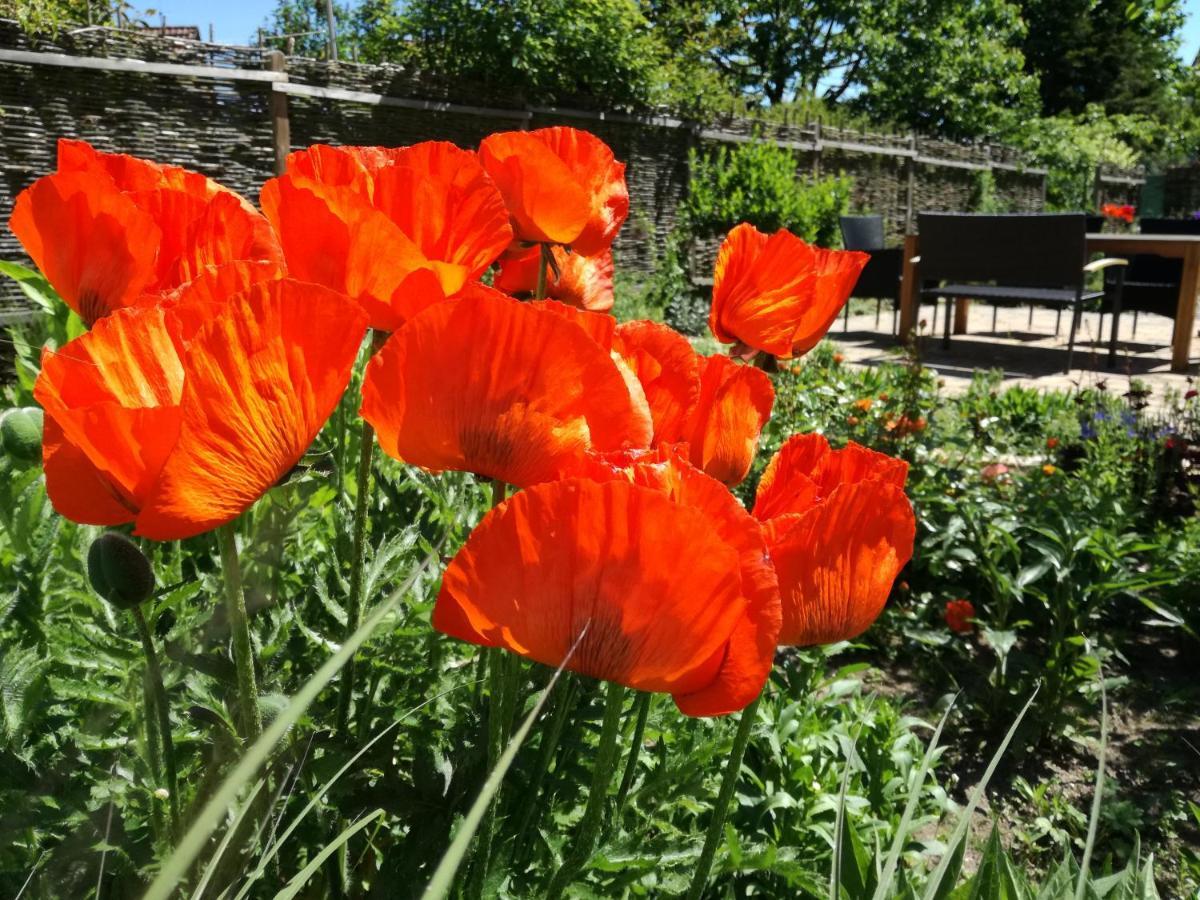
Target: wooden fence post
[[281, 129], [911, 183]]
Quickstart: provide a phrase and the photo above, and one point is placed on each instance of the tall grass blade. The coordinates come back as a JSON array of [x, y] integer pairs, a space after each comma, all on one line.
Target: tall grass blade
[[443, 877], [230, 830], [177, 864], [1085, 865], [933, 886], [293, 887], [883, 889]]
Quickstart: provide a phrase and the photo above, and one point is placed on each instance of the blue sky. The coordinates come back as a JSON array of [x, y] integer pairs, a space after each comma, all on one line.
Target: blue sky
[[234, 21]]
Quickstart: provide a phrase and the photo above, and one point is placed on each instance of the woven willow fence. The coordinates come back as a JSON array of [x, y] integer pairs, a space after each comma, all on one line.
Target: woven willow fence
[[234, 112]]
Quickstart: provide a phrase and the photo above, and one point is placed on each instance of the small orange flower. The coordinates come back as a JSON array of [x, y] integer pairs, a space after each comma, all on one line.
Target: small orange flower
[[507, 390], [107, 229], [598, 563], [561, 186], [838, 359], [724, 426], [1051, 443], [863, 404], [839, 529], [776, 293], [396, 229], [1048, 469], [585, 282], [852, 421], [177, 418], [994, 473], [958, 616]]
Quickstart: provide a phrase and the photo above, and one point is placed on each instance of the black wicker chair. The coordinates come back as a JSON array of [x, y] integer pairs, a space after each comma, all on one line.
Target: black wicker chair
[[1009, 260], [880, 278]]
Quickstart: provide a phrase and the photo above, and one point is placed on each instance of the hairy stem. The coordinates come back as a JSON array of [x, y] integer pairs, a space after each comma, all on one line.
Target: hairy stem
[[733, 768], [250, 725], [544, 257], [593, 814], [159, 695], [642, 705]]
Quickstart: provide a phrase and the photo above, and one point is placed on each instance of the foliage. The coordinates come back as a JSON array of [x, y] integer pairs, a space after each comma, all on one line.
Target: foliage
[[304, 22]]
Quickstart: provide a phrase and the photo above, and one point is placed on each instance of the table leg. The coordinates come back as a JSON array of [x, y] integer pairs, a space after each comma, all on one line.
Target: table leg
[[962, 312], [1185, 312], [909, 287]]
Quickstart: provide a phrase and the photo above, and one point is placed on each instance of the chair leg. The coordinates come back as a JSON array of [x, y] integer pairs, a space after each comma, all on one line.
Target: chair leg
[[1119, 289], [1100, 328], [1135, 312], [846, 317], [1058, 322], [1075, 317], [878, 308], [948, 317], [995, 312], [895, 318], [1030, 326]]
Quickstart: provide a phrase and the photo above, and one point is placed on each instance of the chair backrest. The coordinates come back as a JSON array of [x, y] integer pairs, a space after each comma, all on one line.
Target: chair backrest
[[862, 232], [1170, 226], [1019, 249]]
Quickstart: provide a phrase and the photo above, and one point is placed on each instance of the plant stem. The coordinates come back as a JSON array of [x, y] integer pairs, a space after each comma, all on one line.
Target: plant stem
[[593, 813], [239, 627], [362, 501], [159, 693], [544, 257], [733, 768], [642, 705], [564, 702], [496, 670]]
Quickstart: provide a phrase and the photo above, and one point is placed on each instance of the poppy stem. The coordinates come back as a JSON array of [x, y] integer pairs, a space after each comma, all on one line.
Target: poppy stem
[[544, 256], [354, 603], [239, 627], [642, 705], [158, 693], [593, 814], [716, 827]]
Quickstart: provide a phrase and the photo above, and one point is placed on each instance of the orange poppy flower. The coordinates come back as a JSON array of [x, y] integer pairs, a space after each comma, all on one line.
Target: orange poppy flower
[[776, 293], [178, 417], [585, 282], [669, 371], [958, 615], [561, 185], [733, 406], [396, 229], [503, 389], [106, 228], [597, 563], [839, 530]]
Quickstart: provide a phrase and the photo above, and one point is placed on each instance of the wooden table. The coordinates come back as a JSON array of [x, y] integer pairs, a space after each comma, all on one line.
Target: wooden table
[[1175, 246]]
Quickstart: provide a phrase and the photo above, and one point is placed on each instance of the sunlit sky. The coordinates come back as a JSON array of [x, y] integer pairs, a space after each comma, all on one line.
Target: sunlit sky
[[235, 21]]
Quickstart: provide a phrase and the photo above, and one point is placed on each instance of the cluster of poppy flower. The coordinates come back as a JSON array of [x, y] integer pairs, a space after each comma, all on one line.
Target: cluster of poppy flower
[[221, 339], [1121, 212]]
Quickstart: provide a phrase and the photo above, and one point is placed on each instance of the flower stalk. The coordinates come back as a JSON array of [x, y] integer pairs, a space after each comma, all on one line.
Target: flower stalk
[[593, 813], [250, 725], [733, 768], [161, 713], [545, 257], [642, 707]]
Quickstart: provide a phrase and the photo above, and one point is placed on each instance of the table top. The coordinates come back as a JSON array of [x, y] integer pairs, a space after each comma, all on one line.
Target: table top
[[1098, 236]]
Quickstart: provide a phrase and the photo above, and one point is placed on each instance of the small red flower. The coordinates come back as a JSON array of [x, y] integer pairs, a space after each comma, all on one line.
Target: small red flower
[[1191, 394], [958, 616], [1051, 443]]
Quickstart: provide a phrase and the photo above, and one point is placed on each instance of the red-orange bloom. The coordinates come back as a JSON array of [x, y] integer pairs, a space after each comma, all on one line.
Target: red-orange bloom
[[598, 563], [776, 293], [582, 281], [669, 371], [105, 229], [724, 425], [839, 530], [396, 229], [178, 417], [507, 390], [958, 615], [561, 185]]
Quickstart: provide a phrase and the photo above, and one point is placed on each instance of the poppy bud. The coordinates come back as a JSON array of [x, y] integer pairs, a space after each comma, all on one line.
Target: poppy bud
[[119, 571], [21, 433]]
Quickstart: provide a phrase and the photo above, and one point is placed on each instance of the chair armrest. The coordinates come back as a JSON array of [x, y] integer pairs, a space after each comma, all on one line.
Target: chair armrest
[[915, 260], [1101, 264]]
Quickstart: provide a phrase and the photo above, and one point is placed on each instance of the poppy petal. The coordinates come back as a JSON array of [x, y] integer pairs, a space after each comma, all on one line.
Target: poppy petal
[[585, 282], [262, 378], [837, 561], [506, 390], [669, 371], [602, 177], [578, 557], [77, 489], [806, 469], [776, 293], [734, 404], [95, 247], [544, 196]]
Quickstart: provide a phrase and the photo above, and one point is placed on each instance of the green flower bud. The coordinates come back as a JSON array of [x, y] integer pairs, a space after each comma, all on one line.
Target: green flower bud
[[21, 433], [119, 571]]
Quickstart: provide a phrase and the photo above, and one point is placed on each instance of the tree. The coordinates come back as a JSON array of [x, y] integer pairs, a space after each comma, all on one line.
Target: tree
[[305, 22], [1118, 53], [947, 67]]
